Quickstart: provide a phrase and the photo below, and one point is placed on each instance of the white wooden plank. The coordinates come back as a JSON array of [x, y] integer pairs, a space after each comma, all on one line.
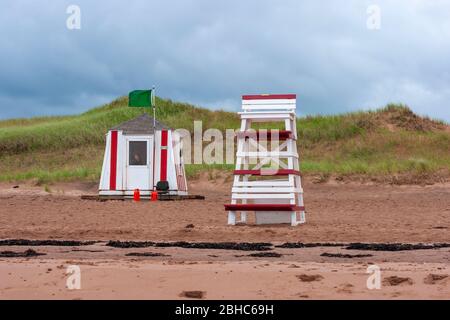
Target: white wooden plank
[[263, 117], [270, 101], [265, 190], [262, 112], [264, 183], [263, 196], [267, 154], [254, 120], [268, 107]]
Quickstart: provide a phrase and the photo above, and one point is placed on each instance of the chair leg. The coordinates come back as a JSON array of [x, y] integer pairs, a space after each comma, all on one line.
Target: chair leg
[[231, 218], [294, 221], [243, 217], [302, 217]]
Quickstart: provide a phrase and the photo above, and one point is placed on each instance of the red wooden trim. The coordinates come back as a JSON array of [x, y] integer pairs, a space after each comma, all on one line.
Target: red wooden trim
[[164, 138], [268, 96], [113, 162], [267, 172], [259, 135], [263, 207]]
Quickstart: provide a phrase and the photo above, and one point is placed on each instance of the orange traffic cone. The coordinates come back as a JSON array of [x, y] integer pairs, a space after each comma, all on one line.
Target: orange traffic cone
[[154, 196], [137, 195]]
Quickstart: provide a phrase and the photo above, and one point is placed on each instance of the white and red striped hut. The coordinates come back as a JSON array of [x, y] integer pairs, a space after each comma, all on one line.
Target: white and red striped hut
[[142, 154]]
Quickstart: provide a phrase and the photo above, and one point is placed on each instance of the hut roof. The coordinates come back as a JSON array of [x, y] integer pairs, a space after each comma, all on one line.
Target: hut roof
[[140, 125]]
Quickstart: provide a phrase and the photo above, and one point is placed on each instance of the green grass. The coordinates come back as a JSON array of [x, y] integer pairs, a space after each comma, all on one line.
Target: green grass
[[377, 144], [48, 176], [194, 170]]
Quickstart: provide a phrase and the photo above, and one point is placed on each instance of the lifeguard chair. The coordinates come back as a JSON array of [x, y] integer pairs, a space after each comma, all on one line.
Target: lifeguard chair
[[267, 178]]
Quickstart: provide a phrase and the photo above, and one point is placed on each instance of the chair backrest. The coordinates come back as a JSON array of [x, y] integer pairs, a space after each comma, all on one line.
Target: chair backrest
[[269, 102]]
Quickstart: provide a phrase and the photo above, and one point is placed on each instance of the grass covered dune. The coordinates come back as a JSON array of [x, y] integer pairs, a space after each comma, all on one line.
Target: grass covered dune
[[391, 144]]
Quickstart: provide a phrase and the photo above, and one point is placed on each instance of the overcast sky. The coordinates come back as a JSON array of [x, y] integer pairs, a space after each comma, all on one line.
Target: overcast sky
[[211, 52]]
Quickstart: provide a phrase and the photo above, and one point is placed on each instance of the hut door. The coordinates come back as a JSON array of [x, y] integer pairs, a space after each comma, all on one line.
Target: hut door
[[139, 160]]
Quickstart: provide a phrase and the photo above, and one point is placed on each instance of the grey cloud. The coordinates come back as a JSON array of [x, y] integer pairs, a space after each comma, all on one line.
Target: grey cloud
[[211, 52]]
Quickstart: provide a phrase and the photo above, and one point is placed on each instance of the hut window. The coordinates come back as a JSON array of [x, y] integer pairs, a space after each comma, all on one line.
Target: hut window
[[138, 153]]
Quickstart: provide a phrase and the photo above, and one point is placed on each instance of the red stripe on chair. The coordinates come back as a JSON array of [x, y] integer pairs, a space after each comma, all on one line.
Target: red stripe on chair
[[163, 168], [268, 96], [113, 163], [266, 136], [263, 207], [267, 172]]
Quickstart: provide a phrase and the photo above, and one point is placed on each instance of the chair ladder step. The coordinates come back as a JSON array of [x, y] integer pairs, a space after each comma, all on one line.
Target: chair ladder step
[[263, 207]]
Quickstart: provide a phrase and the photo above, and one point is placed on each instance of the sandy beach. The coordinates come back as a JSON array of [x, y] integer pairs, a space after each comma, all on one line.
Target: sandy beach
[[171, 264]]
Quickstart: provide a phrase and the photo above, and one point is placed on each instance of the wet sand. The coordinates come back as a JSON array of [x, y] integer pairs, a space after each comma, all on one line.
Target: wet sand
[[46, 279]]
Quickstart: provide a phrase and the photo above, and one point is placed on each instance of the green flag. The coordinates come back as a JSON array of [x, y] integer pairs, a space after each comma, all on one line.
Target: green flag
[[141, 98]]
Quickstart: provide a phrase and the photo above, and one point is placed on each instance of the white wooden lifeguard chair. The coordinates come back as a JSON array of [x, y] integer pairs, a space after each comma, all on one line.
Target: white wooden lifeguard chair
[[267, 178]]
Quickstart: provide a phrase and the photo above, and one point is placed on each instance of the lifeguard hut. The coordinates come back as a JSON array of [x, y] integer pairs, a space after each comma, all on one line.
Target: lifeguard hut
[[267, 178], [143, 154]]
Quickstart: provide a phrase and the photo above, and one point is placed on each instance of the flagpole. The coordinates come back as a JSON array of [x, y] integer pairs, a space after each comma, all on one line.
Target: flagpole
[[154, 132], [154, 109]]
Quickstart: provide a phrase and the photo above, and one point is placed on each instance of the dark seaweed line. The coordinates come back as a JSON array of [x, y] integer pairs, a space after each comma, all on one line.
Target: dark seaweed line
[[130, 244], [146, 254], [367, 246], [32, 243], [244, 246], [347, 256], [26, 254], [299, 245], [395, 246]]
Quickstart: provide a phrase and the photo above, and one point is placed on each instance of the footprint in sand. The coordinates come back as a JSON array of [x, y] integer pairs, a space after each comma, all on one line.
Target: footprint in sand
[[309, 277], [435, 278], [395, 281], [345, 288], [193, 294]]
